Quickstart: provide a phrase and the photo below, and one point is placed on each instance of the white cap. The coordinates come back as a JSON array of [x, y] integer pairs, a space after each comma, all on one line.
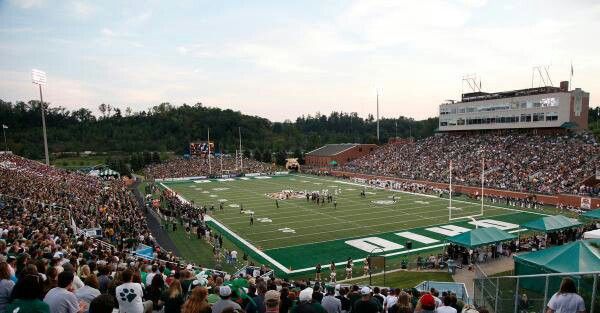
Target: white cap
[[365, 290], [224, 291], [188, 267], [306, 295]]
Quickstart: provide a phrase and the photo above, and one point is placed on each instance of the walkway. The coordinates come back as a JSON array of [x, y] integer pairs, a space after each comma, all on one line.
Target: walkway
[[490, 268]]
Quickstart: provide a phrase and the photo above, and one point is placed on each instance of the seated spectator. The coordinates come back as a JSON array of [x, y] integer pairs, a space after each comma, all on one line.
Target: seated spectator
[[102, 304], [129, 295], [6, 285], [197, 302], [225, 301], [89, 291], [26, 296], [61, 299]]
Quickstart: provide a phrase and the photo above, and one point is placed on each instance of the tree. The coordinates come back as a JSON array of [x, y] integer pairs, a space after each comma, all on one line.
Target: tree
[[257, 155], [102, 109], [155, 157], [281, 157], [267, 156], [246, 153], [128, 111], [298, 155]]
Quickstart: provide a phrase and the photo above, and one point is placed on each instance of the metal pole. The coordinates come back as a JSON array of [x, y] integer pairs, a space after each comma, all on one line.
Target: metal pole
[[482, 179], [497, 294], [241, 154], [594, 289], [450, 192], [377, 116], [517, 296], [44, 126], [546, 290], [208, 144]]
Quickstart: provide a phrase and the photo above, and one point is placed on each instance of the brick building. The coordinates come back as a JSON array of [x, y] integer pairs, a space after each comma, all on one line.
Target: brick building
[[340, 153]]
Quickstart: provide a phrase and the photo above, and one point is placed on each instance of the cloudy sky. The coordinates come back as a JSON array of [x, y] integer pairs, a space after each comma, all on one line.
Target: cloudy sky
[[282, 59]]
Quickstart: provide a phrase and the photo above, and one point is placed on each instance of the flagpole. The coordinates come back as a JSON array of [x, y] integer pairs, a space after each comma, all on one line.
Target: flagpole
[[571, 76]]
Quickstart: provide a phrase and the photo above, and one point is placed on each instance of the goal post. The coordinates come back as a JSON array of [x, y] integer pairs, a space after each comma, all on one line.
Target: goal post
[[454, 212]]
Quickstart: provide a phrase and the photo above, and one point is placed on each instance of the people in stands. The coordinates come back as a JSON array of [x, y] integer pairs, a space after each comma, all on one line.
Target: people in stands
[[514, 161], [446, 306], [197, 302], [26, 296], [61, 298], [566, 300], [366, 304], [225, 301], [180, 167], [130, 295], [6, 285], [272, 299], [330, 303]]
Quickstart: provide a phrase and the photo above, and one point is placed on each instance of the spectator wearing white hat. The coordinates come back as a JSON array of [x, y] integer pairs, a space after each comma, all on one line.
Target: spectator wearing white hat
[[305, 303], [366, 304], [225, 301], [272, 301]]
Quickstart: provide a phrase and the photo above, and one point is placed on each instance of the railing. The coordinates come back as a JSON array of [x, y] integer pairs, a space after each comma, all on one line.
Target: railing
[[458, 289], [531, 293]]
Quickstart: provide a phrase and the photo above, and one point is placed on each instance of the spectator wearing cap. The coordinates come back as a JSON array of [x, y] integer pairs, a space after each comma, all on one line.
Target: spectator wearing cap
[[272, 299], [426, 304], [225, 301], [366, 304], [6, 285], [26, 296], [330, 303], [61, 299], [305, 303]]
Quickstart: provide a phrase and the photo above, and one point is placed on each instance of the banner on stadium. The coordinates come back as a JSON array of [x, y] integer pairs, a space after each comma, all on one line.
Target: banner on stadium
[[586, 203], [179, 178], [144, 251], [92, 232], [252, 174], [282, 173]]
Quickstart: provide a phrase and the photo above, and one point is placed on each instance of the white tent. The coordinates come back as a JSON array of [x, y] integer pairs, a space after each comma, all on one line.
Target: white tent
[[592, 234]]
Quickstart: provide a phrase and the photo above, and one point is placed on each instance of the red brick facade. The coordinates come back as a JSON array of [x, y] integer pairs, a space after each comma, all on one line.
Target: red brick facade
[[341, 158]]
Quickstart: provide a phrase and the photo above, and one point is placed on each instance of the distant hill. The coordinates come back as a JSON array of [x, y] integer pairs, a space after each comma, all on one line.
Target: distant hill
[[169, 128]]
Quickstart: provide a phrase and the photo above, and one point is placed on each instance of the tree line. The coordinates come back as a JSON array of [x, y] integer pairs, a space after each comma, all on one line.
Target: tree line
[[166, 127]]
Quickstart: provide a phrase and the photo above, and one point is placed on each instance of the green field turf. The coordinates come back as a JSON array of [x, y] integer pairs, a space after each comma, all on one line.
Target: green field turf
[[300, 234]]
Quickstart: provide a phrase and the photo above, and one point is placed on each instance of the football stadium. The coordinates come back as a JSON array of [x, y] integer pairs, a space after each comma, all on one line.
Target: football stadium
[[122, 192]]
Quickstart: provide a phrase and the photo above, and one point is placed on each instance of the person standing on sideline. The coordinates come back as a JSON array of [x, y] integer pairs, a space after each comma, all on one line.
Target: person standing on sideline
[[277, 203], [251, 219], [566, 300]]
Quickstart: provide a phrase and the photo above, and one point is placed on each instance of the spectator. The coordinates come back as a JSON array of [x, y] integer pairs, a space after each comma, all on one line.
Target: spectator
[[272, 299], [6, 285], [330, 303], [446, 306], [225, 301], [102, 304], [61, 299], [173, 298], [129, 295], [566, 300], [366, 304], [89, 291], [26, 296], [426, 304], [197, 302]]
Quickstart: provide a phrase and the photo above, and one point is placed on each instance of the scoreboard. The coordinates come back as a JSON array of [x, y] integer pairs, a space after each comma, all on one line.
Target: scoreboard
[[202, 148]]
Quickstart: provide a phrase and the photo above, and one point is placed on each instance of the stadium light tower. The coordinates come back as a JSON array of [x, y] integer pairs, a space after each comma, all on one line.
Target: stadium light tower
[[39, 78]]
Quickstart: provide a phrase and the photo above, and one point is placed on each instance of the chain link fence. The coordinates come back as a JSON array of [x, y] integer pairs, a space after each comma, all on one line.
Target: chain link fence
[[530, 293]]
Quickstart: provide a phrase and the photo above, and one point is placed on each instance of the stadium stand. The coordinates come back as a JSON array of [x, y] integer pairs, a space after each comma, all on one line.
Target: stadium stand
[[180, 167], [337, 154], [546, 164]]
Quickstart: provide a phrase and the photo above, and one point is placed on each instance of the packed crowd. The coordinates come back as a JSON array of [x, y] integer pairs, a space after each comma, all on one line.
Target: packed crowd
[[195, 166], [520, 162]]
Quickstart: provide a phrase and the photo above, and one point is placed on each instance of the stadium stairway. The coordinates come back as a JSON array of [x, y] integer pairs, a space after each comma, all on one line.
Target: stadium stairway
[[466, 276], [161, 237]]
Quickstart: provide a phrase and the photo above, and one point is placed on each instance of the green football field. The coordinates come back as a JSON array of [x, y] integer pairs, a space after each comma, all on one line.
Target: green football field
[[298, 234]]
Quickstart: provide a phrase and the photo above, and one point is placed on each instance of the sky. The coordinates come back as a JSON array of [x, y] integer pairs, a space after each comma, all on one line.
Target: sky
[[283, 59]]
